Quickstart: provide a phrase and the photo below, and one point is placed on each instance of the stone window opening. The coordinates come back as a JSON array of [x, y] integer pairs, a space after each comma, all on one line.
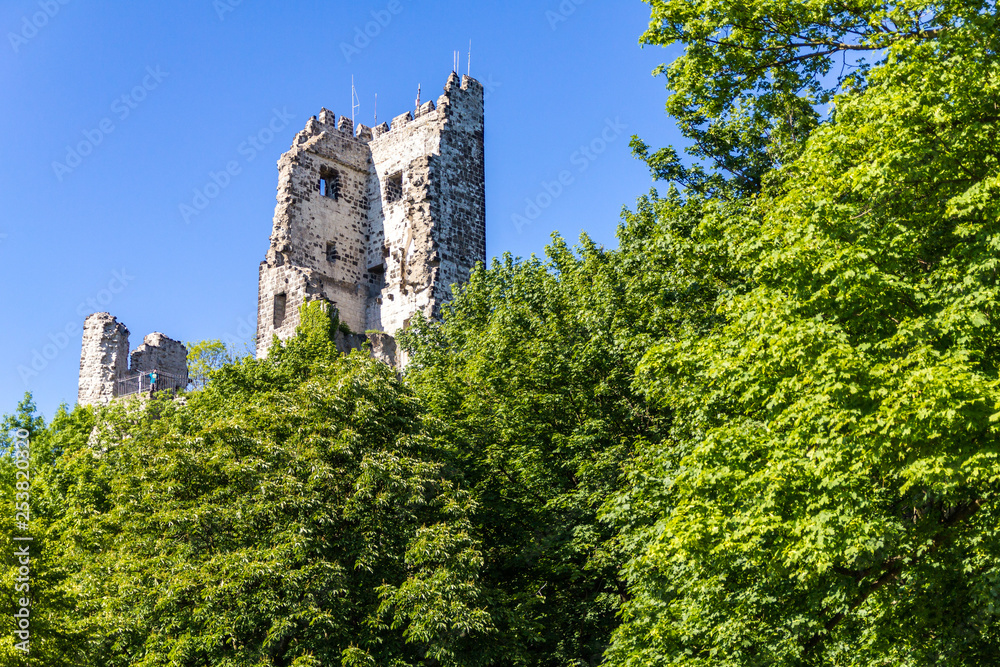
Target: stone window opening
[[329, 183], [331, 252], [394, 188], [280, 302]]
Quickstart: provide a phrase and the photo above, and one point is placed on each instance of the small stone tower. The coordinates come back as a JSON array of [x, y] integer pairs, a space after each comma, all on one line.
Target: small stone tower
[[104, 359], [105, 373], [377, 222]]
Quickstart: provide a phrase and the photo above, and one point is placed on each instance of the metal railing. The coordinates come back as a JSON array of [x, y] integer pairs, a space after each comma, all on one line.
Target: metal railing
[[139, 383]]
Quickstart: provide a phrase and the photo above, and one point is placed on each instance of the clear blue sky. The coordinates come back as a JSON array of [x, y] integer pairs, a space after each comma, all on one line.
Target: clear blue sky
[[183, 85]]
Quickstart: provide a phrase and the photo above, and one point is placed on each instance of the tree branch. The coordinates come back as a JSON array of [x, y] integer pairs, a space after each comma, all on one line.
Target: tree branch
[[889, 570]]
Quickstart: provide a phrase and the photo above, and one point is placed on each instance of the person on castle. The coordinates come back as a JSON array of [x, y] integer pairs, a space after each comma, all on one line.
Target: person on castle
[[152, 382]]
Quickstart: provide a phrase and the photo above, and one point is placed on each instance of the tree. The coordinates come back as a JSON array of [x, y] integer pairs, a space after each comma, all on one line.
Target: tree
[[25, 418], [291, 513], [53, 639], [206, 357], [530, 379], [755, 75], [828, 495]]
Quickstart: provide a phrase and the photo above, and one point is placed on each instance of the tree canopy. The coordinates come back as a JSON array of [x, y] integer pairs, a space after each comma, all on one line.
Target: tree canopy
[[829, 489]]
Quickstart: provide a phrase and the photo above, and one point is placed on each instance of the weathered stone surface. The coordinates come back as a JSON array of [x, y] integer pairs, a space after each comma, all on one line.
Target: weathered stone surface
[[383, 348], [347, 342], [163, 355], [378, 222], [103, 359]]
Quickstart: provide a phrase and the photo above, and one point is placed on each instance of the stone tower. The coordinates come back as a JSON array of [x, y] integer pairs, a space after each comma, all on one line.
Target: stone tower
[[377, 222], [105, 373], [104, 359]]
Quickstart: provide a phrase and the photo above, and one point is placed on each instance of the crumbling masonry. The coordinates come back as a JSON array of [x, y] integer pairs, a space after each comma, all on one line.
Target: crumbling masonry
[[107, 371], [377, 222]]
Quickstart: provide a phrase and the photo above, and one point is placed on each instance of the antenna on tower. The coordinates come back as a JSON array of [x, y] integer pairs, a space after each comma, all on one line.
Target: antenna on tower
[[355, 101], [455, 61], [418, 95], [470, 57]]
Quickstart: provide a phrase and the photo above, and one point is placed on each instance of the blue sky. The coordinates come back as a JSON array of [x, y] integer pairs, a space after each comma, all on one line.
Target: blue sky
[[116, 114]]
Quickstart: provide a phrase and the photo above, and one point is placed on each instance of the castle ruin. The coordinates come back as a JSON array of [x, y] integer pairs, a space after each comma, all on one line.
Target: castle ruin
[[108, 371], [377, 222]]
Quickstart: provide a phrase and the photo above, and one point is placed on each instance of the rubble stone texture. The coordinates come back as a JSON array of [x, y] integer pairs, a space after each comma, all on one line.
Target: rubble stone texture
[[378, 222], [161, 354], [104, 359]]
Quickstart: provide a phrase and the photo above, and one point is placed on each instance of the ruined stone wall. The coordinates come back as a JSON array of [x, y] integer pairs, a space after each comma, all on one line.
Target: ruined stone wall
[[161, 354], [293, 286], [460, 173], [409, 218], [437, 232], [399, 215], [318, 239], [103, 359]]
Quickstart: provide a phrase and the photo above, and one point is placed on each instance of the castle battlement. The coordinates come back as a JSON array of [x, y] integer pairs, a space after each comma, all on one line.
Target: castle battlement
[[379, 222], [326, 120]]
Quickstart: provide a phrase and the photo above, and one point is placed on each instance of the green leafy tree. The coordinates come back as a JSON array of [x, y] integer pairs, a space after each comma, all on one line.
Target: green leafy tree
[[206, 357], [530, 375], [828, 495], [746, 89], [53, 639], [25, 418], [291, 513], [761, 432]]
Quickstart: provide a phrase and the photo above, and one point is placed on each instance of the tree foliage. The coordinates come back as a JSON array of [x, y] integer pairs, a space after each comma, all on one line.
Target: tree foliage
[[206, 357], [754, 75], [286, 515], [830, 493], [532, 372]]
